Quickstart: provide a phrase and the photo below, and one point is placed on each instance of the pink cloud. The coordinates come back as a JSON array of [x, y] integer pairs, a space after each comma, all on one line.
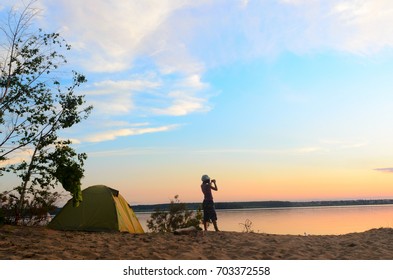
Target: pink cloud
[[385, 170]]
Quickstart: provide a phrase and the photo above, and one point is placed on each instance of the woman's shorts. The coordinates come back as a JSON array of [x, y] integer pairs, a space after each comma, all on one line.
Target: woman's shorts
[[209, 212]]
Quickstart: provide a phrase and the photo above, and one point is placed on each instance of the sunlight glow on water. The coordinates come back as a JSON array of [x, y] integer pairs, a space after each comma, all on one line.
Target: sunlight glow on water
[[300, 221]]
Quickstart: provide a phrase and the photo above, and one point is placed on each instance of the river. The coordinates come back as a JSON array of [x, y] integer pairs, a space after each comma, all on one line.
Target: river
[[302, 220]]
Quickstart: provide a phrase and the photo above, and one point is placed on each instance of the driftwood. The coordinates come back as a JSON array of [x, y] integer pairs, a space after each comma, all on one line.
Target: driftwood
[[185, 231]]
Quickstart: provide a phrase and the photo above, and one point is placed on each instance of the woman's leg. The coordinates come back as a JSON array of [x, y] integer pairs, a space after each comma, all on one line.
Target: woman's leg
[[215, 225]]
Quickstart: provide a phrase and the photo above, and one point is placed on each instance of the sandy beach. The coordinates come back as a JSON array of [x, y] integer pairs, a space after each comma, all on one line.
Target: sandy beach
[[37, 243]]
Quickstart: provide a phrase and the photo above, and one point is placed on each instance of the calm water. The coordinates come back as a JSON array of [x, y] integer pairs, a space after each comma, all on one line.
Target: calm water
[[308, 220]]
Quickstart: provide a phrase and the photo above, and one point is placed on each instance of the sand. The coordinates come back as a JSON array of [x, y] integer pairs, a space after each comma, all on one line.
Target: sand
[[37, 243]]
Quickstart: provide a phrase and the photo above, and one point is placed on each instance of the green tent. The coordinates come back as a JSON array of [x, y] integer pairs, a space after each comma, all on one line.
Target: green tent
[[102, 209]]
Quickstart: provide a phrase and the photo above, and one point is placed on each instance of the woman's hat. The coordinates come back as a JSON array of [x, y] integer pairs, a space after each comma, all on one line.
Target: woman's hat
[[205, 178]]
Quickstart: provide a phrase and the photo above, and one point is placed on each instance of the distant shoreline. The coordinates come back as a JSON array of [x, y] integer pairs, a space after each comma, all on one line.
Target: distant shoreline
[[266, 204]]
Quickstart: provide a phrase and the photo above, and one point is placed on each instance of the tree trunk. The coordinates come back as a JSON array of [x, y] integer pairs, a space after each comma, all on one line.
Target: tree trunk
[[26, 180]]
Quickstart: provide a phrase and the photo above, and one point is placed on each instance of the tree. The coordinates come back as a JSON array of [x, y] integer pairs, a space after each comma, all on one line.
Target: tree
[[177, 216], [34, 108]]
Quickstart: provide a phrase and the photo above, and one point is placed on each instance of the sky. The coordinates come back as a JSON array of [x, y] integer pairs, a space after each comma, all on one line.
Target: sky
[[275, 99]]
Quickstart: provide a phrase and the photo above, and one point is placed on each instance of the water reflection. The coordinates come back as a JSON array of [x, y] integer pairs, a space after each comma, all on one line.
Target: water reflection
[[308, 220]]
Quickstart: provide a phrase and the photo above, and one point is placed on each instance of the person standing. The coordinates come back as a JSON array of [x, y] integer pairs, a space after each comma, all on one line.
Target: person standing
[[209, 212]]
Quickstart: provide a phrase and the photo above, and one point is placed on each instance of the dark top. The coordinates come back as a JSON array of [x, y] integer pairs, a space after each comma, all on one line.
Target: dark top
[[207, 191]]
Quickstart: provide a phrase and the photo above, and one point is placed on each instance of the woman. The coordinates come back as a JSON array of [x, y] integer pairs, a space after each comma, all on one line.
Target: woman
[[209, 213]]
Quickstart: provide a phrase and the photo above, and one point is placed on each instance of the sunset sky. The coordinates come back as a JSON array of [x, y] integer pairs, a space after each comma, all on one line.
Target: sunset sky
[[276, 99]]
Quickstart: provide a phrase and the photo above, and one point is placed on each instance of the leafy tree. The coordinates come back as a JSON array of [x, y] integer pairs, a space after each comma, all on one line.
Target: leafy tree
[[177, 216], [34, 108]]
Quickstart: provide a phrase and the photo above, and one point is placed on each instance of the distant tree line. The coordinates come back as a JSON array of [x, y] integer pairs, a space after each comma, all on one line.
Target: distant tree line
[[267, 204]]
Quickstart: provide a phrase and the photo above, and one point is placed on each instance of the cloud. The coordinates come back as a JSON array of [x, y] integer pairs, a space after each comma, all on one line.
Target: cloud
[[111, 97], [294, 2], [223, 32], [370, 23], [182, 105], [133, 152], [150, 57], [110, 86], [384, 170], [8, 4], [113, 134], [342, 144], [183, 98], [172, 95], [114, 123], [112, 105], [244, 3], [307, 150], [110, 37], [74, 141], [184, 35], [192, 81], [276, 152], [18, 156]]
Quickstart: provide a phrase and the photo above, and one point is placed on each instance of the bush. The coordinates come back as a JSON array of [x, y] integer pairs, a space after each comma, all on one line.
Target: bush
[[35, 211], [177, 216], [247, 226]]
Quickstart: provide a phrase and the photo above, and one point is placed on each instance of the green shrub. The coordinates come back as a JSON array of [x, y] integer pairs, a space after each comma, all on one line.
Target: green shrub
[[177, 216], [35, 211]]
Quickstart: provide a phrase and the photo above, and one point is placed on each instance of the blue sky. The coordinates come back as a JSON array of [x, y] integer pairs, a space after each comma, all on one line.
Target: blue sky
[[276, 99]]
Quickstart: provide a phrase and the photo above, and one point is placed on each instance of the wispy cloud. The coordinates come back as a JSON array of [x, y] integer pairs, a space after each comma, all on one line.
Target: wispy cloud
[[112, 36], [134, 152], [177, 150], [184, 37], [171, 44], [192, 81], [140, 39], [113, 134], [369, 22], [112, 86], [113, 104], [342, 144], [114, 97], [385, 170], [182, 103], [181, 108], [17, 157], [174, 96], [6, 4], [267, 151], [307, 150], [268, 28], [322, 147]]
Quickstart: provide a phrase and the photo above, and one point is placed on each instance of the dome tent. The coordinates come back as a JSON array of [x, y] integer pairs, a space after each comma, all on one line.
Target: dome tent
[[102, 209]]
